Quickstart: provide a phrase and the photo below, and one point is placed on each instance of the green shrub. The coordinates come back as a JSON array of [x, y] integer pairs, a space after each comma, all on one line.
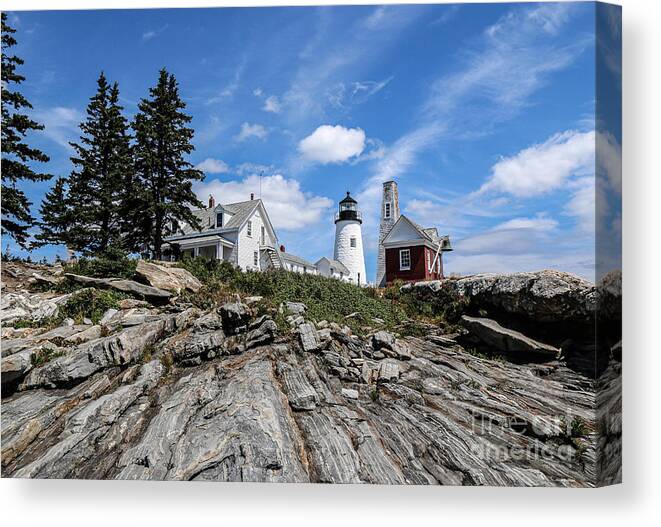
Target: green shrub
[[326, 298], [44, 355], [90, 303], [578, 427], [443, 305], [113, 263]]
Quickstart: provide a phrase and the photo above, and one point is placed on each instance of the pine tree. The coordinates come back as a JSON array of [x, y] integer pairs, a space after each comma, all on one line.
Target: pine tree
[[16, 154], [102, 169], [163, 192], [55, 216]]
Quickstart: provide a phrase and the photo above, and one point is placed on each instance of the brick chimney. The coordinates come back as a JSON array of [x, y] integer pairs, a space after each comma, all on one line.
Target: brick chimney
[[282, 249], [252, 196], [212, 202]]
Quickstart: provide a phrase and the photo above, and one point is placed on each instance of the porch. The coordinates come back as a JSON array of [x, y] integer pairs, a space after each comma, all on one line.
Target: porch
[[213, 247]]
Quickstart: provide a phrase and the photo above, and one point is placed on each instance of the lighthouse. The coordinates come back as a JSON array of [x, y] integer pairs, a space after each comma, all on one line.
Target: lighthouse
[[349, 239]]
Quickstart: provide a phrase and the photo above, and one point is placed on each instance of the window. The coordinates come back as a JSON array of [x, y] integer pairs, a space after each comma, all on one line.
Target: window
[[249, 228], [404, 259], [255, 258], [428, 261], [386, 211], [219, 220], [352, 241], [263, 236]]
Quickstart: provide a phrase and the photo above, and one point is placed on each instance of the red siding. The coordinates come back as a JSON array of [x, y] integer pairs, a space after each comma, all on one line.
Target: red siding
[[419, 268]]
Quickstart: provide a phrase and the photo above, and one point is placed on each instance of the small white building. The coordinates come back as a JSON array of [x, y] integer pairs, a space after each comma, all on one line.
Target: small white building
[[240, 233], [333, 269], [296, 264]]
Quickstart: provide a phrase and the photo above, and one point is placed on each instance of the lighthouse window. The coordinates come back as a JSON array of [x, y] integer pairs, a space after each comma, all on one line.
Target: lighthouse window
[[352, 241], [386, 212], [404, 259]]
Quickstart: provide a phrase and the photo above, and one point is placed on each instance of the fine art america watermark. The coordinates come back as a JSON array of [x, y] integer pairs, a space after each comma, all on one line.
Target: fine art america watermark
[[565, 437]]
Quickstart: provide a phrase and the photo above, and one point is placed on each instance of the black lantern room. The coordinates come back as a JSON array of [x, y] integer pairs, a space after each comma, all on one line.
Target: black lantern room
[[348, 210]]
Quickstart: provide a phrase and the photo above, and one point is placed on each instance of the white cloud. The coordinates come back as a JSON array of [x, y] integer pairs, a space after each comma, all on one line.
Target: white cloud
[[152, 33], [288, 206], [582, 203], [538, 223], [515, 236], [358, 92], [609, 159], [60, 124], [257, 92], [523, 244], [234, 83], [251, 130], [544, 167], [213, 166], [341, 52], [332, 144], [272, 104]]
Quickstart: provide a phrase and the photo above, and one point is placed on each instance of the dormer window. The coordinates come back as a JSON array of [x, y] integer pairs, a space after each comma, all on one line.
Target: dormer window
[[386, 211], [219, 220]]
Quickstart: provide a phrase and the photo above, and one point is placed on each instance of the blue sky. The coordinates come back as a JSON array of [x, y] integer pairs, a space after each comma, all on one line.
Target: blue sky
[[484, 114]]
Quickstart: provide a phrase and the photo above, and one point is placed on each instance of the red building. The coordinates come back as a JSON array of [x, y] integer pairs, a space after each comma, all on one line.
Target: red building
[[414, 253]]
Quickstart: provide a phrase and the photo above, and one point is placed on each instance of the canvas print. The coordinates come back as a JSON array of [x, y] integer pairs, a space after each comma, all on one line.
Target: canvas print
[[328, 244]]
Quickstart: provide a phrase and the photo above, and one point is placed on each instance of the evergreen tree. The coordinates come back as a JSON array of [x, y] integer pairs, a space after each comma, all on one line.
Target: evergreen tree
[[163, 190], [98, 185], [16, 154], [55, 216]]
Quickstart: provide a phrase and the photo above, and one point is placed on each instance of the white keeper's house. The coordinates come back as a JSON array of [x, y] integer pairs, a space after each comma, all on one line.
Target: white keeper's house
[[240, 233]]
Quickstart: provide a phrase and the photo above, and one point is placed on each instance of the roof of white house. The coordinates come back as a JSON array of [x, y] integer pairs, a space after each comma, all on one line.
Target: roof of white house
[[195, 240], [339, 266], [237, 215], [296, 259], [239, 212]]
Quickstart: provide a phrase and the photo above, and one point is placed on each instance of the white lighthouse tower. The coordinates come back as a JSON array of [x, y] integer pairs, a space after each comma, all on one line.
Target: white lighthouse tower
[[349, 239]]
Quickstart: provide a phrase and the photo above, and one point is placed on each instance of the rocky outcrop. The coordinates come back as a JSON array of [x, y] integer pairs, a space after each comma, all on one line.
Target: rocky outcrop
[[167, 277], [29, 306], [125, 286], [506, 340], [543, 296], [172, 392]]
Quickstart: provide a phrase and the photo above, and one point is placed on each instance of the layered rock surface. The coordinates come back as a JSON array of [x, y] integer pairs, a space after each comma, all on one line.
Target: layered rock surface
[[227, 395]]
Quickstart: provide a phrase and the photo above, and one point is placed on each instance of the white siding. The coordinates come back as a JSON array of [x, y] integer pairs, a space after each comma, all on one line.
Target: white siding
[[247, 245], [351, 257], [297, 267], [325, 269], [402, 232]]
